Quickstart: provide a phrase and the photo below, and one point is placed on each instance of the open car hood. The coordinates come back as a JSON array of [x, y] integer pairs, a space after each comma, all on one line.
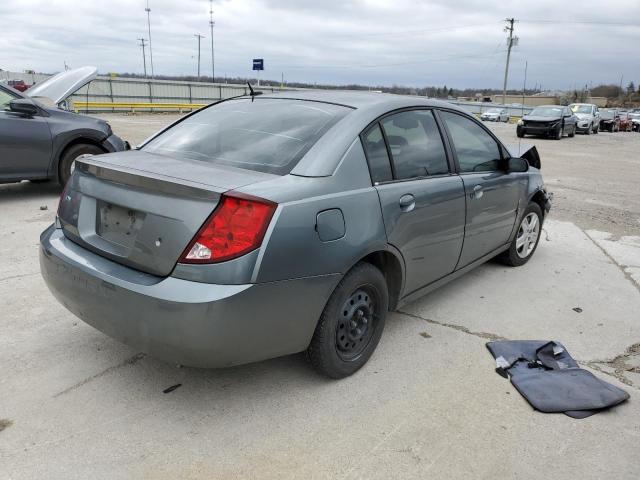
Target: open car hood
[[527, 151], [63, 84]]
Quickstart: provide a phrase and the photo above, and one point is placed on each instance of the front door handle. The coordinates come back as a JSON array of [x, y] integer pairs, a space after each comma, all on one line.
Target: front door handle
[[407, 202], [477, 192]]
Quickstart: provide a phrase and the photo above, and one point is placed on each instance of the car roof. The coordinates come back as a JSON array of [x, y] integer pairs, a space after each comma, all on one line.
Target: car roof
[[360, 99]]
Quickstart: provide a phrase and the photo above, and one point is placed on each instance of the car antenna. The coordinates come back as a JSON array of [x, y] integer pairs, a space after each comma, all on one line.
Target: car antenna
[[253, 92]]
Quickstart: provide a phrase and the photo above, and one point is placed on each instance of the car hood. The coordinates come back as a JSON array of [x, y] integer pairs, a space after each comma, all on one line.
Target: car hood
[[583, 116], [63, 84], [536, 118]]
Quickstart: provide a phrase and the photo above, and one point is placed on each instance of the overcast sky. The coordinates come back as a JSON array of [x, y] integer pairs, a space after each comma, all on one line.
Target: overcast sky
[[459, 43]]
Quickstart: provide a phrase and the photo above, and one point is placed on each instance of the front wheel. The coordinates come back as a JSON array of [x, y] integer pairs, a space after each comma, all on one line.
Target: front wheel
[[519, 132], [527, 237], [589, 129], [69, 157], [573, 132], [558, 135], [351, 323]]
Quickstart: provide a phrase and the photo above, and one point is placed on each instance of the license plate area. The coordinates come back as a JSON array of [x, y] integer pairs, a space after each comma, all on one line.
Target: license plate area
[[119, 225]]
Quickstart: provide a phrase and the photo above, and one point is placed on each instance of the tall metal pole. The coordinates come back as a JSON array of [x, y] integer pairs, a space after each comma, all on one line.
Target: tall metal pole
[[148, 10], [144, 56], [199, 37], [511, 41], [211, 24]]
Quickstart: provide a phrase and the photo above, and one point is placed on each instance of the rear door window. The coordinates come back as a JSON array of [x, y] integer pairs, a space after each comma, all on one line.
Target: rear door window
[[415, 143], [476, 150], [377, 156], [267, 135]]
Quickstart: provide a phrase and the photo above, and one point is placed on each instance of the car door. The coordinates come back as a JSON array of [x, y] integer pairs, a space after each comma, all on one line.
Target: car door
[[492, 194], [422, 202], [25, 142]]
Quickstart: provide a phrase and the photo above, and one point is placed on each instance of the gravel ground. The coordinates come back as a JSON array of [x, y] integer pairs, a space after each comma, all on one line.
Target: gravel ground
[[594, 178]]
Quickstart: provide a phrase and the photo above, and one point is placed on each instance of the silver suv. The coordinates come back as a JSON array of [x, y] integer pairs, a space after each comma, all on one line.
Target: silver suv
[[588, 117]]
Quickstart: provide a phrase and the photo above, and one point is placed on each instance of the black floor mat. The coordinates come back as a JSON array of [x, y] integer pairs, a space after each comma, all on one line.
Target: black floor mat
[[550, 380]]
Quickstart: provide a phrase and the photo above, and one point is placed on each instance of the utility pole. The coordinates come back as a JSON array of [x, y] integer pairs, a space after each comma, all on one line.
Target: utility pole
[[199, 37], [148, 10], [144, 56], [511, 42], [211, 24]]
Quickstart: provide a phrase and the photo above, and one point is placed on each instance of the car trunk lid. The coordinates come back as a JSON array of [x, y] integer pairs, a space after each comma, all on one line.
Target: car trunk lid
[[141, 209]]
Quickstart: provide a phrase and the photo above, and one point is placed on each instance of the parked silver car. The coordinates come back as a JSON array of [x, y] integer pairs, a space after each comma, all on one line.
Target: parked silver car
[[265, 226], [495, 115], [588, 116]]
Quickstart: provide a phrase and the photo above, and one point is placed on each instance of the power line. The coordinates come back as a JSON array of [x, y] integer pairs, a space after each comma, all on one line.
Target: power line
[[582, 22], [511, 41], [144, 56], [148, 10], [211, 24]]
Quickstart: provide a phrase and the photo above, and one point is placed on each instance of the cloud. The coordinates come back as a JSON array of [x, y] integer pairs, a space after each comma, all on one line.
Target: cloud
[[408, 42]]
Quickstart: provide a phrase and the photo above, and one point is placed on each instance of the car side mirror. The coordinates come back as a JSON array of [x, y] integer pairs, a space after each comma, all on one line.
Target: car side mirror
[[24, 106], [516, 164]]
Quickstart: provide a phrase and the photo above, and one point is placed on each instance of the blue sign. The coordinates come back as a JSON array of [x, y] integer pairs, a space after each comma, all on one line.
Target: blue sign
[[258, 64]]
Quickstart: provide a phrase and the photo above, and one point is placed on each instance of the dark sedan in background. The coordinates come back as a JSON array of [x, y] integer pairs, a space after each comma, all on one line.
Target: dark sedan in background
[[610, 120], [39, 140], [550, 121]]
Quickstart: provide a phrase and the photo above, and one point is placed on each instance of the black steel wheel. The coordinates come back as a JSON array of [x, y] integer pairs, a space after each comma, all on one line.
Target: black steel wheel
[[351, 323]]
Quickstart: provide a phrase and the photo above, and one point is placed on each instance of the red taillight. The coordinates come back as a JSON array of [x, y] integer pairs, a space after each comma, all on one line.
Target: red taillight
[[236, 227]]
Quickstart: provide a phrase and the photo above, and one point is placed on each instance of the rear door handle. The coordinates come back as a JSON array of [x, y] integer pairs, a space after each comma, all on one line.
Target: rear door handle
[[407, 202], [477, 192]]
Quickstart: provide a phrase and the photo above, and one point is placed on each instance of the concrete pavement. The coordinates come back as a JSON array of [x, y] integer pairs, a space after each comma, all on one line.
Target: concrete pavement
[[79, 405]]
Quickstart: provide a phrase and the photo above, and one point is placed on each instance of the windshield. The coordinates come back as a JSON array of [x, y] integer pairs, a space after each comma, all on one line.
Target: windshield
[[546, 112], [267, 135], [608, 114], [581, 108]]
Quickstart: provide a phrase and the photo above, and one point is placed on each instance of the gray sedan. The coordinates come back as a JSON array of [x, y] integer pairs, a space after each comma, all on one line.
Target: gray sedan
[[38, 140], [265, 226]]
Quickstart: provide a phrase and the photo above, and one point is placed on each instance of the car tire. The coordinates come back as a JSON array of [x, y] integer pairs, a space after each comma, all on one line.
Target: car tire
[[351, 323], [573, 132], [589, 129], [516, 255], [65, 167], [596, 128], [558, 134], [519, 132]]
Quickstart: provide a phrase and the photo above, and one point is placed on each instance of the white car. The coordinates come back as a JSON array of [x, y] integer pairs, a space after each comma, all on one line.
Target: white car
[[588, 117], [495, 115]]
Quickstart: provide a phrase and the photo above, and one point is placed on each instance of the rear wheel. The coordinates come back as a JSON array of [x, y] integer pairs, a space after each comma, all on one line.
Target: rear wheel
[[573, 132], [527, 237], [69, 157], [351, 324]]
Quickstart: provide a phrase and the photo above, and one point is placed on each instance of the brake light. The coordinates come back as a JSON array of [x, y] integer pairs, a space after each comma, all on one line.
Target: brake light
[[236, 227]]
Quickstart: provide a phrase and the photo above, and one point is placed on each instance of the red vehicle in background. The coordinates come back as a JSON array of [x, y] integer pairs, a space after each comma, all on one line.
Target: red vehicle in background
[[18, 85], [626, 122]]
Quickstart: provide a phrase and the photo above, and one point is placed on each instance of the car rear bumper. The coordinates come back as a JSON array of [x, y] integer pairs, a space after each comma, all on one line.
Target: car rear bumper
[[180, 321]]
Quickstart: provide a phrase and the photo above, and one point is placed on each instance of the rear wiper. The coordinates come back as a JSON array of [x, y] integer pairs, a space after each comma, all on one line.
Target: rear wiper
[[253, 93]]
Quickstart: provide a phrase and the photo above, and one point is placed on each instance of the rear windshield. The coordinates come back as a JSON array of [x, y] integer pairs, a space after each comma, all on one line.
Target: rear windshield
[[267, 135]]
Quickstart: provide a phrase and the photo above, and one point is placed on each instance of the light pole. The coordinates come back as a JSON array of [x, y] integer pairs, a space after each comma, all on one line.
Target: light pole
[[199, 37], [211, 24], [148, 10], [144, 56]]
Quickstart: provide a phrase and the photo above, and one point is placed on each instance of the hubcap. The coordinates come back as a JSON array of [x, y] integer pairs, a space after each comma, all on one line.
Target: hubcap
[[527, 235], [356, 324]]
